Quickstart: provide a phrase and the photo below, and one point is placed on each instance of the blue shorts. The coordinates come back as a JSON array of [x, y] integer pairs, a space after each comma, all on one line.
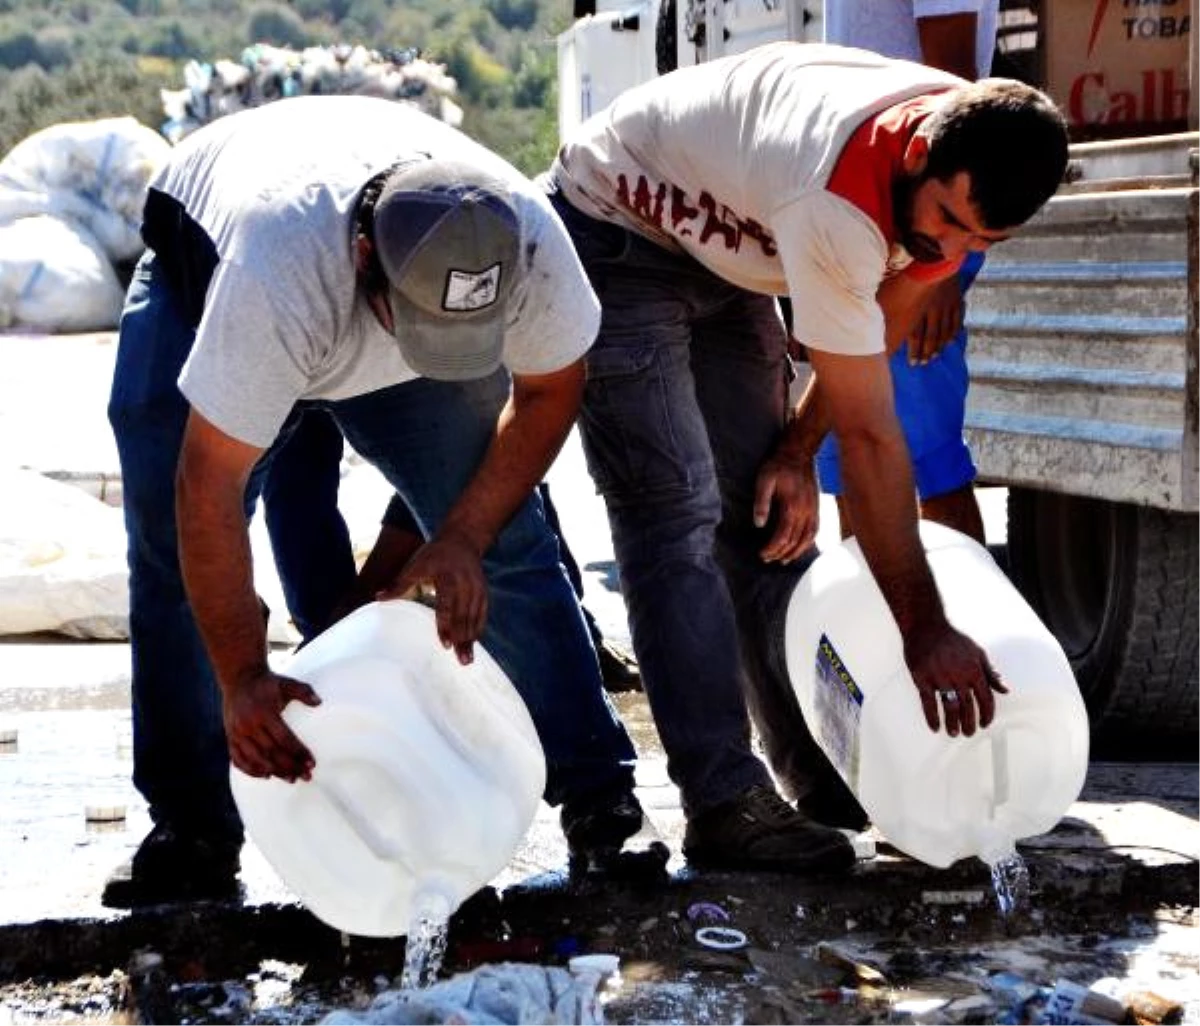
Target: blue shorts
[[931, 402]]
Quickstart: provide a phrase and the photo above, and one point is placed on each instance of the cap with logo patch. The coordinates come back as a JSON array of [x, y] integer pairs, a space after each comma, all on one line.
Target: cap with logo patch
[[448, 239]]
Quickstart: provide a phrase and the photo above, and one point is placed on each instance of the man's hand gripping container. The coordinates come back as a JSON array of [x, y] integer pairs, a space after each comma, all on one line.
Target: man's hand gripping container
[[935, 797], [428, 775]]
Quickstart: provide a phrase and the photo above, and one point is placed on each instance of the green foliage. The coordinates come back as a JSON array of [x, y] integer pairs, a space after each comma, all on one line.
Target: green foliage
[[278, 25], [32, 99], [68, 60], [518, 15]]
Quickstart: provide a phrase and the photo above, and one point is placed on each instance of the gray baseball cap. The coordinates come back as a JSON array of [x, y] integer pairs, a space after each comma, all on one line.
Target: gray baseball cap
[[448, 238]]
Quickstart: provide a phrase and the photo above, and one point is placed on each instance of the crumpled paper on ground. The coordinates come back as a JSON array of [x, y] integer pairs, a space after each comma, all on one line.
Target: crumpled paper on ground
[[509, 992]]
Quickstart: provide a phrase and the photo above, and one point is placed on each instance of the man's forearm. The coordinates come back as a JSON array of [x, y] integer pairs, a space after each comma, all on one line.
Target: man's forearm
[[530, 432], [881, 497], [806, 427], [214, 547]]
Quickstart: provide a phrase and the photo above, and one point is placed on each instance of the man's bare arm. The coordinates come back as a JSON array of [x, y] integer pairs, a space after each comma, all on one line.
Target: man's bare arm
[[530, 432], [880, 496], [214, 552]]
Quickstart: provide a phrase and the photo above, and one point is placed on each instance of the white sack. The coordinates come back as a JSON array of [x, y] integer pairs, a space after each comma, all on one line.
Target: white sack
[[92, 172], [55, 277]]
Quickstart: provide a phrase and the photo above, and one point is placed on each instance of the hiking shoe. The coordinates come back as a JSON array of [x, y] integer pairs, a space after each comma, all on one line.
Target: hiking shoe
[[618, 669], [833, 804], [759, 830], [170, 867], [597, 825]]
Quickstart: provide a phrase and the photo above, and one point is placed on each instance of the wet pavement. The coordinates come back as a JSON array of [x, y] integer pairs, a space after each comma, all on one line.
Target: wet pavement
[[1112, 890]]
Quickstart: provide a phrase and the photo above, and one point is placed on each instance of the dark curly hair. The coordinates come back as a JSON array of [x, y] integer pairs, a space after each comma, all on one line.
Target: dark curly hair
[[1009, 137]]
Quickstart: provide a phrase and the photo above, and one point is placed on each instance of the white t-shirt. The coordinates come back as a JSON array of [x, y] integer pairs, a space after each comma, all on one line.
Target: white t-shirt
[[728, 161], [275, 188], [889, 27]]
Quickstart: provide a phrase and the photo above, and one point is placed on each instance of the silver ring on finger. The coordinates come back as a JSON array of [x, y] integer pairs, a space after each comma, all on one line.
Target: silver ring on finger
[[948, 696]]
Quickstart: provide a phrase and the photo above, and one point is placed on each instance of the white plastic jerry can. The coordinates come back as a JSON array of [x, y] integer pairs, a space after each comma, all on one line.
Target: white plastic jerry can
[[428, 775], [935, 797]]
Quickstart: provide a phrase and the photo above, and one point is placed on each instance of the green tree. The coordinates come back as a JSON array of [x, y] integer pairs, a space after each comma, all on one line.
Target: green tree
[[277, 24], [172, 38], [18, 49], [533, 81], [31, 99], [518, 15]]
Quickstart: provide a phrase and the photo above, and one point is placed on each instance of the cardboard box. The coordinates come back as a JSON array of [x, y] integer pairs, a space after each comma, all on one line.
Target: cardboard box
[[1121, 67]]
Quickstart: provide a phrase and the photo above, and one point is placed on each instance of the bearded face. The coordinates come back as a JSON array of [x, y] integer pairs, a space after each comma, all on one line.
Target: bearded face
[[923, 248], [936, 219]]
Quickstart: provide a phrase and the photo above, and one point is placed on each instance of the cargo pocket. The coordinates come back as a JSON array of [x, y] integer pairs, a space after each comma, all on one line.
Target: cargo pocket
[[634, 430]]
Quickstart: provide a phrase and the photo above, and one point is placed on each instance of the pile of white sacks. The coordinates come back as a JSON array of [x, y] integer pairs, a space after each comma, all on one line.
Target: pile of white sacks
[[71, 195], [71, 201], [267, 73]]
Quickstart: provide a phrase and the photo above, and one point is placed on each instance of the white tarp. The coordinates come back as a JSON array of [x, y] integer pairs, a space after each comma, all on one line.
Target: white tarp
[[63, 566], [62, 560]]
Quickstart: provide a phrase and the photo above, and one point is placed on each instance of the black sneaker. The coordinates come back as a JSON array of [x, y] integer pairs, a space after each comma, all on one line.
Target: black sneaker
[[833, 804], [618, 669], [759, 830], [597, 825], [170, 868]]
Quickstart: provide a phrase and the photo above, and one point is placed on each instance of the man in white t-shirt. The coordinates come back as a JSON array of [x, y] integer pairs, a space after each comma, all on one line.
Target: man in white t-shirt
[[852, 184], [351, 255], [930, 370]]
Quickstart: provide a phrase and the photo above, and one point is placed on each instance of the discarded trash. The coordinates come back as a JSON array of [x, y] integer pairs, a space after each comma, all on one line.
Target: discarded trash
[[836, 995], [721, 938], [1149, 1009], [916, 1007], [506, 993], [1015, 996], [864, 845], [832, 955], [952, 897], [605, 966], [794, 968], [707, 911], [1071, 1002], [976, 1008], [149, 997]]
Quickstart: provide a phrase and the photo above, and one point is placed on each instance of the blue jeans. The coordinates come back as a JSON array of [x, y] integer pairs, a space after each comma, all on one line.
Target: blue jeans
[[427, 438], [181, 764], [686, 396], [931, 404]]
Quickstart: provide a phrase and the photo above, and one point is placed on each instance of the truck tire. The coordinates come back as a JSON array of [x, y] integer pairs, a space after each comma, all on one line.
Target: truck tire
[[665, 57], [1116, 584]]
